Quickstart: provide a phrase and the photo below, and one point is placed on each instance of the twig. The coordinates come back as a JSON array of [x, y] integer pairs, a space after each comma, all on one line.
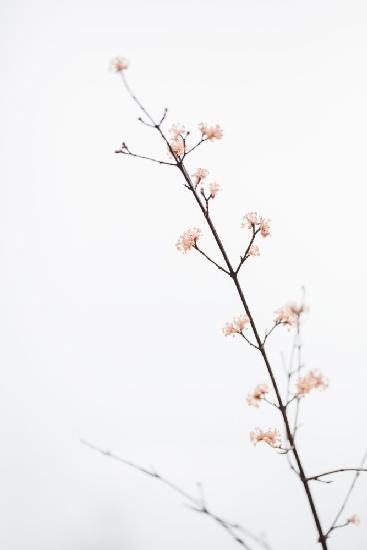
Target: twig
[[128, 153], [249, 341], [267, 334], [209, 259], [316, 478], [246, 254], [349, 492], [194, 147], [196, 504]]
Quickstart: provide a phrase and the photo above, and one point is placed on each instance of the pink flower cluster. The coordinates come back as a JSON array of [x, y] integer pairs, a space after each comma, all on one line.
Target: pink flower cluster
[[255, 397], [214, 189], [271, 436], [177, 141], [211, 132], [311, 381], [237, 326], [354, 520], [253, 250], [251, 220], [289, 314], [188, 239], [286, 316], [200, 174], [119, 64]]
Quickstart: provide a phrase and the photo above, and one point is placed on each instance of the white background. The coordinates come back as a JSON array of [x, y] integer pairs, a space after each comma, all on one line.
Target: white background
[[108, 333]]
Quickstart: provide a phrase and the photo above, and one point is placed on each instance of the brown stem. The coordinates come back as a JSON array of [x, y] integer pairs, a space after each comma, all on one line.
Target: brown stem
[[196, 504], [322, 539], [282, 407], [336, 472], [349, 492]]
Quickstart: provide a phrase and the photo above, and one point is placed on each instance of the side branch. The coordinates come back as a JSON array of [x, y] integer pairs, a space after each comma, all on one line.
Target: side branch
[[246, 254], [210, 260], [358, 471], [194, 503], [125, 151], [316, 478]]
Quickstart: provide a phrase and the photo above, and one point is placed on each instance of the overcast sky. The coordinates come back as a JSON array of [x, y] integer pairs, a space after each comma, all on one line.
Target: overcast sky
[[110, 334]]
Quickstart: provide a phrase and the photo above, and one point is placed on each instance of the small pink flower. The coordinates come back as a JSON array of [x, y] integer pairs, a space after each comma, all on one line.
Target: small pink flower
[[120, 64], [177, 147], [255, 397], [299, 309], [237, 326], [264, 227], [354, 520], [214, 188], [250, 220], [211, 132], [253, 250], [200, 174], [188, 239], [286, 316], [269, 436], [178, 131], [312, 380]]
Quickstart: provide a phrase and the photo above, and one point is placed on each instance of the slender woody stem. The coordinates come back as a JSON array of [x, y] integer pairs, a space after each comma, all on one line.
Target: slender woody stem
[[233, 274], [195, 503]]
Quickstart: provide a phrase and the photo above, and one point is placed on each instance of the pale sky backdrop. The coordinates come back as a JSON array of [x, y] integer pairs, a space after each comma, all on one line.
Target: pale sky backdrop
[[109, 333]]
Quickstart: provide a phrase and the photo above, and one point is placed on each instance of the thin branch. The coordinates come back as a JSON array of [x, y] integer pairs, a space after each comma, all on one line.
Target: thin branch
[[163, 116], [194, 147], [269, 402], [209, 259], [349, 492], [196, 504], [316, 478], [246, 254], [248, 341], [267, 334], [123, 151]]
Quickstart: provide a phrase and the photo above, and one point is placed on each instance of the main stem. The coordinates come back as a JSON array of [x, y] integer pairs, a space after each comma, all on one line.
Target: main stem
[[234, 276], [281, 406]]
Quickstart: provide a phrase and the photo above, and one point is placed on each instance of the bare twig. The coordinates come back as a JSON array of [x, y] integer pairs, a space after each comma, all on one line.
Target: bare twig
[[209, 259], [349, 492], [194, 503], [249, 341], [316, 478], [268, 333], [129, 154]]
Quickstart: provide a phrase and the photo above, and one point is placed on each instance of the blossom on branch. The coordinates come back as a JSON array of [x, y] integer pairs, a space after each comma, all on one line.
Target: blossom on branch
[[271, 436], [211, 132], [188, 239], [177, 131], [264, 227], [253, 250], [255, 397], [200, 174], [354, 520], [250, 220], [311, 381], [299, 309], [237, 326], [214, 189], [286, 316], [177, 146], [119, 64]]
